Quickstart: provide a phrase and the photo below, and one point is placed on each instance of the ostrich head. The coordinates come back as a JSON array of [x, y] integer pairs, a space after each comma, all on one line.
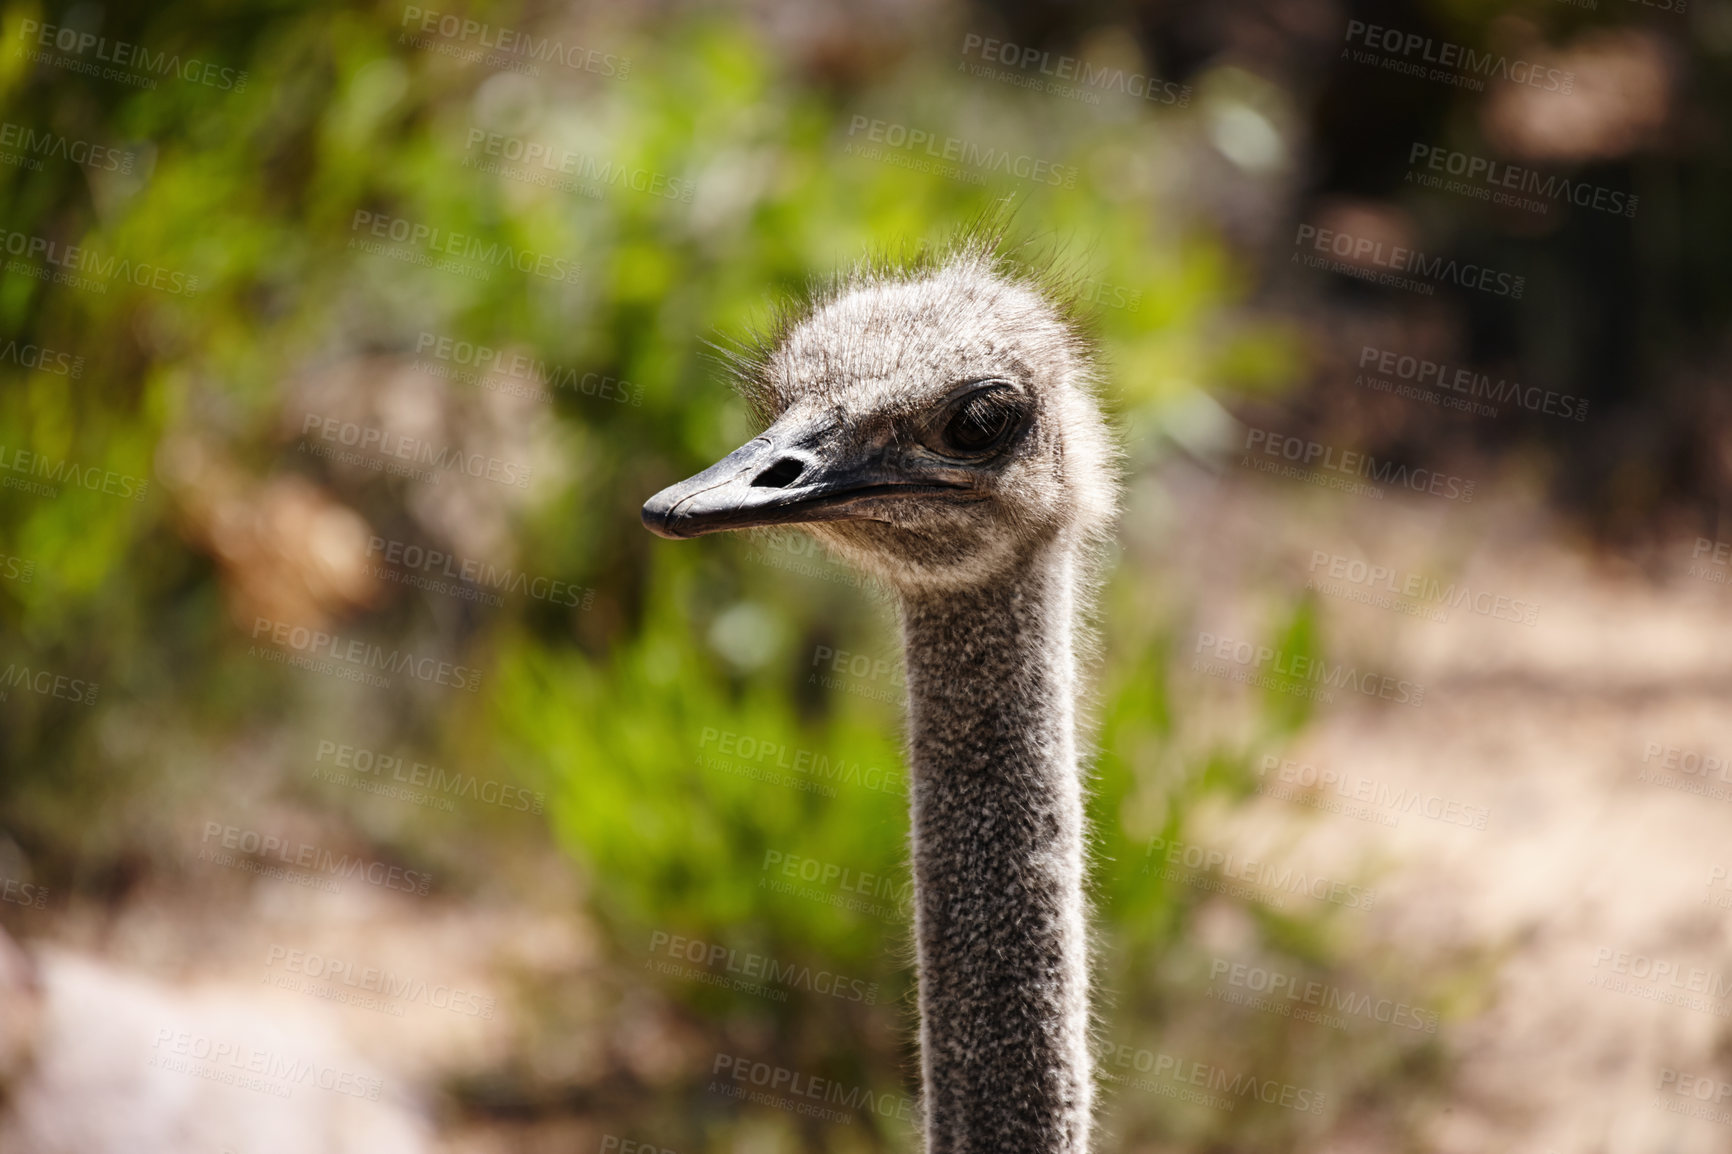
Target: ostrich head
[[932, 428]]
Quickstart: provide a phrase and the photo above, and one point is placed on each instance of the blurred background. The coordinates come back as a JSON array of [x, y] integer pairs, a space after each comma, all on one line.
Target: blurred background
[[371, 781]]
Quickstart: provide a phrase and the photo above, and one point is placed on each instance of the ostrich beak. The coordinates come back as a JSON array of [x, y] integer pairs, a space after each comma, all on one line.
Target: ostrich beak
[[796, 472]]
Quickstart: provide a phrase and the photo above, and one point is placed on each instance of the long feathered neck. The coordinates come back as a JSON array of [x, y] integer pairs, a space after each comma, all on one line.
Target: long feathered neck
[[997, 823]]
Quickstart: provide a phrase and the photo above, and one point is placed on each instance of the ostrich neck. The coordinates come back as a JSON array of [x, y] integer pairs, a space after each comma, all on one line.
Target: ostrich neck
[[997, 822]]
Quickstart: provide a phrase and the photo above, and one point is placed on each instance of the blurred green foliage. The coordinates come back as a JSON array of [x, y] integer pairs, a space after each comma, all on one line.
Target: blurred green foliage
[[256, 194]]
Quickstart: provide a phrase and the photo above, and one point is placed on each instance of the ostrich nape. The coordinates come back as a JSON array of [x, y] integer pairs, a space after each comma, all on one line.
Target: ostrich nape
[[938, 429]]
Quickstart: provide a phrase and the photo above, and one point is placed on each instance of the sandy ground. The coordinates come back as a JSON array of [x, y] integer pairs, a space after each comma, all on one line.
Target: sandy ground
[[1593, 745]]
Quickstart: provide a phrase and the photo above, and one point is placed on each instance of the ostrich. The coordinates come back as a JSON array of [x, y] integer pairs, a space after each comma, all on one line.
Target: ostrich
[[936, 428]]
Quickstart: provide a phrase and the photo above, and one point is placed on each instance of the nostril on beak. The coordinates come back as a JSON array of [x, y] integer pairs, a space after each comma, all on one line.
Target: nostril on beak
[[780, 475]]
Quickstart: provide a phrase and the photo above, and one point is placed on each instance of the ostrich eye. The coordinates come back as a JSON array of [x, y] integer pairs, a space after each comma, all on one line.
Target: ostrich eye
[[981, 421]]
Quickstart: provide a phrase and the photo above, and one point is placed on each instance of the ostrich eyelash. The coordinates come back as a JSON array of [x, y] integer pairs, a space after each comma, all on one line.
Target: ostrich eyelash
[[982, 420]]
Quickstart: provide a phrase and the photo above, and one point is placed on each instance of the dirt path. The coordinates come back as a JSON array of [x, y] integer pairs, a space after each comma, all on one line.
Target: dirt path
[[1602, 988]]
